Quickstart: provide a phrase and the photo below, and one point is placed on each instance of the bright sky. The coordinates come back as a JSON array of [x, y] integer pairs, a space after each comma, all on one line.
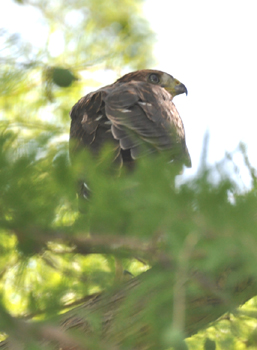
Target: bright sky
[[210, 46]]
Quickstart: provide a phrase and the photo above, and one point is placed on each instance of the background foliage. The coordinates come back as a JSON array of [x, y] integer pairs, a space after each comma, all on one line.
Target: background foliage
[[48, 260]]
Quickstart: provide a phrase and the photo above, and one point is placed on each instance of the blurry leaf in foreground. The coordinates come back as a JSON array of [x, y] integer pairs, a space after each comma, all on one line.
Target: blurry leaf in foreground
[[63, 77], [175, 338], [252, 340], [209, 344]]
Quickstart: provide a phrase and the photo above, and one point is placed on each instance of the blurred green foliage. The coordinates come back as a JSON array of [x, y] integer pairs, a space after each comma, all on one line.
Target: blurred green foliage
[[200, 226], [52, 255]]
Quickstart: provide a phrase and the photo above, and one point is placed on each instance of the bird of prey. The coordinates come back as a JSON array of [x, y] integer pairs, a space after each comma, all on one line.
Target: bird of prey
[[136, 114]]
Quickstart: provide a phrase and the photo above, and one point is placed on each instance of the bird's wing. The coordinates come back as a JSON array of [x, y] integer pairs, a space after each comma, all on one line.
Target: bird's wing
[[89, 125], [144, 120], [137, 117]]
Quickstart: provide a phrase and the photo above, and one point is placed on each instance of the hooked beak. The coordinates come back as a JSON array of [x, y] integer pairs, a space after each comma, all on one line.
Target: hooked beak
[[175, 87], [180, 89]]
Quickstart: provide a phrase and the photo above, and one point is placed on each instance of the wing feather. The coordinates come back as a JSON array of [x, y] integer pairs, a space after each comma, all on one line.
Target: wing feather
[[137, 117], [89, 125], [145, 120]]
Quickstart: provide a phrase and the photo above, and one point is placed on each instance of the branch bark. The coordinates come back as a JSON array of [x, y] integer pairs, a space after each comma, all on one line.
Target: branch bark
[[132, 315]]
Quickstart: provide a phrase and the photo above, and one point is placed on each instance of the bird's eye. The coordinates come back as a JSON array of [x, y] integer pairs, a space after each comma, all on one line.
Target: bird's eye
[[154, 78]]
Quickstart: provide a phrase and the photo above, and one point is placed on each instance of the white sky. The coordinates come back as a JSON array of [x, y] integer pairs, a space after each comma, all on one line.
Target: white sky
[[210, 46]]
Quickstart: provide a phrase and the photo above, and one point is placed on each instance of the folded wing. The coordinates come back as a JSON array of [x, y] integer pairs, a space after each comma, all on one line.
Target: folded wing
[[137, 117]]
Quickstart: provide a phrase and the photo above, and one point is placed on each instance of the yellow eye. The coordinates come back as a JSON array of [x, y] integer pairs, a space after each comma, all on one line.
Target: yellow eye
[[154, 78]]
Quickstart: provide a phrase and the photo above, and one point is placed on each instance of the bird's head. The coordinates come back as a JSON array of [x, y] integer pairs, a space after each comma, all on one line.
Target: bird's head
[[156, 77], [172, 85]]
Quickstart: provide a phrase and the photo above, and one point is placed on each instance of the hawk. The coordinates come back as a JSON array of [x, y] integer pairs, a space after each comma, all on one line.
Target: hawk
[[136, 114]]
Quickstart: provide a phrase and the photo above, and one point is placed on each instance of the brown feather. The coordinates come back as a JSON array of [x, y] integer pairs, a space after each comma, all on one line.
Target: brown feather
[[134, 114]]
